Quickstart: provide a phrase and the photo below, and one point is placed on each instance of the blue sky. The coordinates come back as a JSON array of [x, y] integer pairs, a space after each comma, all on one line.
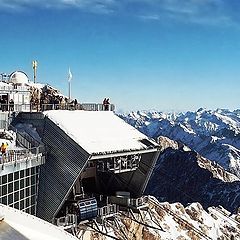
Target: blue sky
[[142, 54]]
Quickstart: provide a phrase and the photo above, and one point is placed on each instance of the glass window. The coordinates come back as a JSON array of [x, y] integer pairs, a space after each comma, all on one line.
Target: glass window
[[16, 175], [28, 210], [33, 179], [4, 189], [27, 172], [22, 174], [33, 190], [16, 205], [27, 202], [21, 204], [22, 183], [4, 179], [10, 187], [27, 190], [16, 196], [4, 200], [0, 180], [10, 177], [22, 194], [16, 185], [10, 198], [27, 182]]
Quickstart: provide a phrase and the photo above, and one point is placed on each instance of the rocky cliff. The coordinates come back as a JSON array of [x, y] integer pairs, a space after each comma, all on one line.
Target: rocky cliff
[[182, 175]]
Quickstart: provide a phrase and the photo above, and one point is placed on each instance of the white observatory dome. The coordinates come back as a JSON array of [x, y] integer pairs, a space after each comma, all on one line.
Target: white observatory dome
[[18, 77]]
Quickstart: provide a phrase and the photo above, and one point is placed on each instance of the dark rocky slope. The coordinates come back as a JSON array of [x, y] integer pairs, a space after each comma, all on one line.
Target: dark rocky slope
[[182, 175]]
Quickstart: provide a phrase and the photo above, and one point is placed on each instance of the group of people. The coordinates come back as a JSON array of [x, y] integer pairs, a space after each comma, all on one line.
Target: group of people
[[106, 104], [5, 105], [47, 97]]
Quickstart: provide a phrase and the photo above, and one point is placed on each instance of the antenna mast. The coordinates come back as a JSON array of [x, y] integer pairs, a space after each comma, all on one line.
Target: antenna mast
[[34, 65]]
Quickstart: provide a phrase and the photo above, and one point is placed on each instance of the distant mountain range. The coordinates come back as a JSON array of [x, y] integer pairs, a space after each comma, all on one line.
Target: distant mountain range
[[200, 156], [215, 134]]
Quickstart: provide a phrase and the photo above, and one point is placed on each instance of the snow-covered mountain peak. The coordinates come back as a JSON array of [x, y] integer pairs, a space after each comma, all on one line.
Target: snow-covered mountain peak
[[215, 134]]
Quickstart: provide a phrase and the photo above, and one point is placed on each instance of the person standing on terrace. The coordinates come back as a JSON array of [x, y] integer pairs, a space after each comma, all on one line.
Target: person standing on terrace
[[3, 151]]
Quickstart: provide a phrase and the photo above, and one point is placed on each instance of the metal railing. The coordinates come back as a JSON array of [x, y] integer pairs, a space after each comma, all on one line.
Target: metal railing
[[83, 106], [68, 220], [45, 106], [33, 148], [98, 107], [13, 156], [108, 210], [13, 88], [15, 107], [138, 202]]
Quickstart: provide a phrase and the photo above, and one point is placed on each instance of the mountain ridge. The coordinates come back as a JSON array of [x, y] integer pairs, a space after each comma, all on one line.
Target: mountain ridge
[[215, 134]]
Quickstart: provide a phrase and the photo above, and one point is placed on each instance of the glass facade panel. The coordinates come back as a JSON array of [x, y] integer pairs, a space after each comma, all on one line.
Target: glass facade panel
[[18, 189], [27, 202], [4, 190], [4, 179], [16, 205], [16, 175], [10, 177], [27, 192], [10, 198], [4, 200], [22, 174], [16, 185], [27, 182], [21, 204], [16, 196], [10, 187], [22, 194], [22, 183]]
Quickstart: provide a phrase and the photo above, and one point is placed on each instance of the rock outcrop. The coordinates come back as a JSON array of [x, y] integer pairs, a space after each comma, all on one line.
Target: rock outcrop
[[182, 175]]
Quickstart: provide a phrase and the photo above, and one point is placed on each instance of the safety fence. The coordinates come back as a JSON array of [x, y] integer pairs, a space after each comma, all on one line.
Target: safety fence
[[31, 149], [66, 106], [13, 156]]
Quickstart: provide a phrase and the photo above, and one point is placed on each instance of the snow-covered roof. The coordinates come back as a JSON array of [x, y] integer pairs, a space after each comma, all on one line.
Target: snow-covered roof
[[20, 225], [36, 85], [99, 131]]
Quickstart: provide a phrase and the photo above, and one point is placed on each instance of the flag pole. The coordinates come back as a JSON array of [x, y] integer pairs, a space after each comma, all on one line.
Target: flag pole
[[69, 91], [69, 84]]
